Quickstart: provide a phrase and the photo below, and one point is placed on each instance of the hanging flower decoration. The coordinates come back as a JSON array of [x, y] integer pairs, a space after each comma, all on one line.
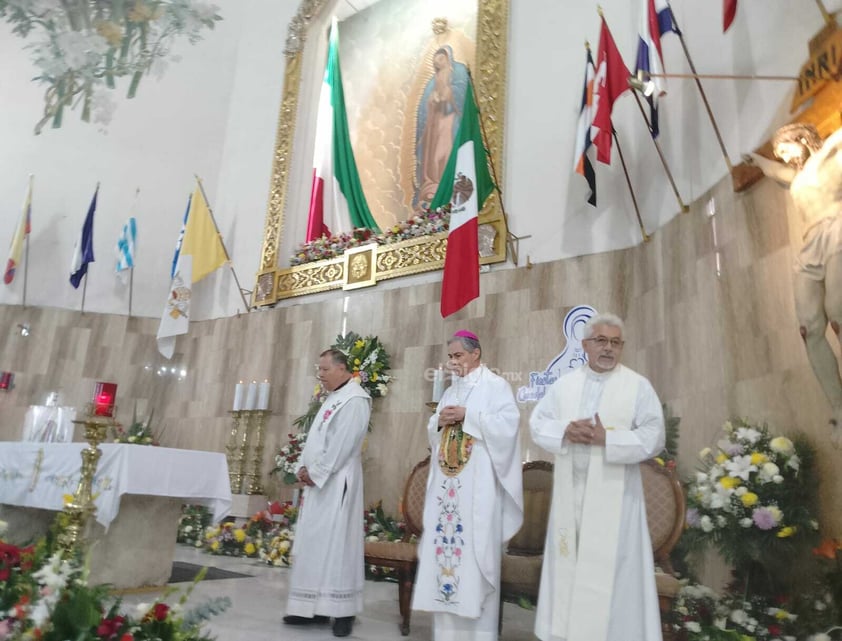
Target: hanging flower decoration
[[82, 48]]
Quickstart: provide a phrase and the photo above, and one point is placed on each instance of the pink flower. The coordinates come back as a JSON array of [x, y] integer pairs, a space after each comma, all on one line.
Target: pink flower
[[458, 551]]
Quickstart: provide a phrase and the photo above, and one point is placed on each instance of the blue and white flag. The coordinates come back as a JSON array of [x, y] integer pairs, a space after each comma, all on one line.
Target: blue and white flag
[[83, 252], [126, 246], [656, 20], [180, 239]]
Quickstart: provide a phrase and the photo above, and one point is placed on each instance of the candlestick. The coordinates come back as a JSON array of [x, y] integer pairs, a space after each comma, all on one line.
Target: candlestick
[[438, 384], [263, 396], [251, 396], [239, 390]]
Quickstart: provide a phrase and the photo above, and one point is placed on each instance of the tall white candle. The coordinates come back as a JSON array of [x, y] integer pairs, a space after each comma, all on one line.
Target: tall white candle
[[438, 384], [251, 396], [263, 396], [239, 390]]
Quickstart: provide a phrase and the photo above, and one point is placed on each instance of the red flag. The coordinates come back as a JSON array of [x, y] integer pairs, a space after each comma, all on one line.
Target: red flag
[[729, 10], [611, 80]]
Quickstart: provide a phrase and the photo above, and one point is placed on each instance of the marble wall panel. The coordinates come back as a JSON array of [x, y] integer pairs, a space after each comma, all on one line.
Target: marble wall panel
[[708, 306]]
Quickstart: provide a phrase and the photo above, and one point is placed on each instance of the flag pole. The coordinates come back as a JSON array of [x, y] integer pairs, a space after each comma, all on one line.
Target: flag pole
[[222, 242], [646, 237], [692, 66], [84, 291], [26, 247], [512, 241], [681, 204]]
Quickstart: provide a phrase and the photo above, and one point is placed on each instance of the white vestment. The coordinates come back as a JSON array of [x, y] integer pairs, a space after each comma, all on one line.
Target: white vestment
[[469, 517], [630, 611], [327, 554]]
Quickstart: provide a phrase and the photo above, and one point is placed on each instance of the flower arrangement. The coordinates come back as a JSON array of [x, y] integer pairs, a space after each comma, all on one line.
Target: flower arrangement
[[45, 596], [368, 362], [139, 433], [192, 524], [230, 539], [82, 48], [286, 460], [378, 526], [754, 501], [424, 223], [267, 535]]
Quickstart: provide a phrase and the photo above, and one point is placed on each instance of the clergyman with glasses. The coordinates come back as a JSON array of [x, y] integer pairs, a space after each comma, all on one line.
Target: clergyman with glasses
[[474, 500], [600, 420]]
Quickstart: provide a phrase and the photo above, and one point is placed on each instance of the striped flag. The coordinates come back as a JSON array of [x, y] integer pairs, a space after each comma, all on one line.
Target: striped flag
[[611, 80], [83, 251], [655, 21], [583, 164], [180, 238], [729, 12], [22, 230], [336, 197], [465, 184], [126, 247]]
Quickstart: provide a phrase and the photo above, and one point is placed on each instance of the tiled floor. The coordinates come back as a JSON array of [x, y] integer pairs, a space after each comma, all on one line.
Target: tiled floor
[[258, 605]]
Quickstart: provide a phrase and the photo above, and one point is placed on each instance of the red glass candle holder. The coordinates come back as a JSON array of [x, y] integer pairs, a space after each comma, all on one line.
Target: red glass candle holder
[[104, 395], [7, 380]]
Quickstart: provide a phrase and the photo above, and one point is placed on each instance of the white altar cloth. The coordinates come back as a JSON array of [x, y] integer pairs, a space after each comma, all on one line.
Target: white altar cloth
[[39, 475]]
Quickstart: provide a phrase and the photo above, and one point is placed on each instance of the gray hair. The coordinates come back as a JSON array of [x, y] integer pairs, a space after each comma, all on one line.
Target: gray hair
[[612, 320], [337, 357], [469, 344]]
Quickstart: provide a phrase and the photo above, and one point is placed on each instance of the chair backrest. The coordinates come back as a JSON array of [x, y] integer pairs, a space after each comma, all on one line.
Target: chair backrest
[[537, 496], [665, 508], [414, 493]]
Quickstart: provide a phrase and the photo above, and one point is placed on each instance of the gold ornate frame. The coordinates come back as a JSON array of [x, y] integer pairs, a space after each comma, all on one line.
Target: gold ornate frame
[[398, 259]]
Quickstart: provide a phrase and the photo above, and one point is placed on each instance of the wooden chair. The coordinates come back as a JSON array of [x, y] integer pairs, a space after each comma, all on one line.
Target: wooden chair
[[665, 516], [402, 555]]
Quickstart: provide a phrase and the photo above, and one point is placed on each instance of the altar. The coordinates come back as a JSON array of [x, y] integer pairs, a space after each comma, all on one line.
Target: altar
[[138, 492]]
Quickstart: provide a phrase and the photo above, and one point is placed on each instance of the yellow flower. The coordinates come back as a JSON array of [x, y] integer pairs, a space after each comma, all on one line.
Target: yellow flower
[[284, 547], [721, 458], [356, 361], [749, 499], [659, 460], [782, 445], [758, 457], [780, 615], [787, 531], [215, 546], [239, 536], [729, 482], [374, 376], [359, 344], [68, 498], [249, 549]]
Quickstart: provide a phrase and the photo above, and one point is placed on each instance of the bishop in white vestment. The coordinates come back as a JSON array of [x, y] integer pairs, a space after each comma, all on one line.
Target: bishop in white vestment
[[600, 420], [474, 501], [327, 554]]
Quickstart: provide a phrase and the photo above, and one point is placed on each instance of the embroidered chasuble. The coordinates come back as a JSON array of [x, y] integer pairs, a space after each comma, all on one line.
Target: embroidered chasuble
[[327, 573], [474, 504], [597, 579]]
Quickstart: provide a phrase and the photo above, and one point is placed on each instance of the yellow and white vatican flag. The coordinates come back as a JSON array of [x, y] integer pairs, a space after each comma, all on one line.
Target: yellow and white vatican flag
[[201, 252]]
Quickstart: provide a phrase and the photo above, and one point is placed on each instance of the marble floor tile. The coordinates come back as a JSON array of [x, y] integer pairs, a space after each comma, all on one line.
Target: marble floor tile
[[258, 604]]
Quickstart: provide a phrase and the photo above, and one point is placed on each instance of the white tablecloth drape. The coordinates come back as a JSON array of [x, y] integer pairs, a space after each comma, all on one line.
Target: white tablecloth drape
[[41, 474]]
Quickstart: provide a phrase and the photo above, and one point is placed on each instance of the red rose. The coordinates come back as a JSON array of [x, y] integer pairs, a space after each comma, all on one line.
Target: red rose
[[161, 610], [775, 630]]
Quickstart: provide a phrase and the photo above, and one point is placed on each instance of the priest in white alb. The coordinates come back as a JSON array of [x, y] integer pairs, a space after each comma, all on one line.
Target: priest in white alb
[[328, 568], [474, 501], [600, 420]]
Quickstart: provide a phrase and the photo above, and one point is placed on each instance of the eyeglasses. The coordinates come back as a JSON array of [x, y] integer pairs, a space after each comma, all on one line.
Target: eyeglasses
[[603, 341]]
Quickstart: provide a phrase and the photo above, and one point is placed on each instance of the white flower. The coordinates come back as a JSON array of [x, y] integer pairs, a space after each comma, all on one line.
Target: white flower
[[372, 538], [748, 434], [768, 471], [745, 522], [382, 389], [794, 463], [821, 636], [739, 617], [821, 606], [740, 466], [741, 490], [693, 626], [728, 427], [782, 445], [778, 478], [721, 521], [705, 453], [706, 524], [701, 477]]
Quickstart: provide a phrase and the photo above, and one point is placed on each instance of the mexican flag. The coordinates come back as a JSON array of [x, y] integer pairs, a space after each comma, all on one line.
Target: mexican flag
[[465, 184], [337, 202]]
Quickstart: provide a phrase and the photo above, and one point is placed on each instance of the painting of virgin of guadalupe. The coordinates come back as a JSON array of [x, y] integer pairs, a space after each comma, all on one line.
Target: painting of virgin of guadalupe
[[437, 121]]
